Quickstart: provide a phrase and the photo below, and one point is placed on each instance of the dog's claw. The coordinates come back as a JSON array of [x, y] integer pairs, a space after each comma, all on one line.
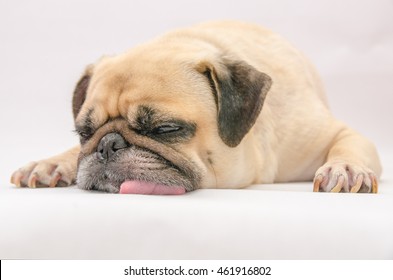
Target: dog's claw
[[374, 187], [317, 183], [338, 187], [355, 188], [32, 181], [42, 174], [343, 177], [16, 178], [55, 179]]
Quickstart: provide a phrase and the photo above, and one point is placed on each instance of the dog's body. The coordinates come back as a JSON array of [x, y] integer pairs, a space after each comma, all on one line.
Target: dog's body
[[218, 105]]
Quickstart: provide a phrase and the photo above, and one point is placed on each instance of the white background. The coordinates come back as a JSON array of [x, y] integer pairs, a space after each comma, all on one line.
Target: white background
[[45, 44]]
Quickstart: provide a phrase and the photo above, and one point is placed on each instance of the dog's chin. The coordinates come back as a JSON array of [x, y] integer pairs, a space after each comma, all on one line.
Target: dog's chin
[[133, 171]]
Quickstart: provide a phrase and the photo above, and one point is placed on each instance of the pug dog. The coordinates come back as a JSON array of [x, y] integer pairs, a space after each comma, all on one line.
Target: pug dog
[[218, 105]]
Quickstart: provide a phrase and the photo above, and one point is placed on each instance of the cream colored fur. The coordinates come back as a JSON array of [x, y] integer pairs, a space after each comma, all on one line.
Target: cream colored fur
[[295, 138]]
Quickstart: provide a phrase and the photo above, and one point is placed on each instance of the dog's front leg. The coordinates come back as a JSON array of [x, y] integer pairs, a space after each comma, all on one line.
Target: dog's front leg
[[352, 165], [56, 171]]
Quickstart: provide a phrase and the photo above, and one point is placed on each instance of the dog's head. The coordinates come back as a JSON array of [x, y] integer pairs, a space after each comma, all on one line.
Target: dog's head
[[164, 120]]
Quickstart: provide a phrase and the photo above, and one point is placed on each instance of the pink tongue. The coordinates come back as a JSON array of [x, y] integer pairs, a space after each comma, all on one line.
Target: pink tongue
[[139, 187]]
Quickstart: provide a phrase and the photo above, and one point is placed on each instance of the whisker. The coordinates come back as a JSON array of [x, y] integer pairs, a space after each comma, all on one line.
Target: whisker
[[214, 172]]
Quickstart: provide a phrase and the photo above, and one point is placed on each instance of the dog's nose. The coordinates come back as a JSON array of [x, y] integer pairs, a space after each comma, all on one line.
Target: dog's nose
[[110, 144]]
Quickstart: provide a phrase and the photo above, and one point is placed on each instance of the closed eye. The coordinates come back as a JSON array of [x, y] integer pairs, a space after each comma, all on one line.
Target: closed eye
[[167, 128], [85, 133]]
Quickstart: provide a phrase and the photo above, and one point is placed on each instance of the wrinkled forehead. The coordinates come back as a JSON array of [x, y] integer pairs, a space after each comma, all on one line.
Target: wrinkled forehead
[[120, 88]]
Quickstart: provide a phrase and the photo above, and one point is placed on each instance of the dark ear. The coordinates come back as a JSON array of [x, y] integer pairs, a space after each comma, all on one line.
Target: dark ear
[[239, 90], [80, 93]]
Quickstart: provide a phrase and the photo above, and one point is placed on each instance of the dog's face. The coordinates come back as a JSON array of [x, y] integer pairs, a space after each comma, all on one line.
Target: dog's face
[[164, 121]]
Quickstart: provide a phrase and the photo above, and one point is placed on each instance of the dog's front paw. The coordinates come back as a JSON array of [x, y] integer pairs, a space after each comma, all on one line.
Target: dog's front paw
[[44, 173], [345, 177]]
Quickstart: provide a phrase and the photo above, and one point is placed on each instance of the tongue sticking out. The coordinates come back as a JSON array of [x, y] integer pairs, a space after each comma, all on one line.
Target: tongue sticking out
[[139, 187]]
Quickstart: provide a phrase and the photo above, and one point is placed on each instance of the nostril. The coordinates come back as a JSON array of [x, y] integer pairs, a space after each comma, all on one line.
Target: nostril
[[100, 150], [110, 144], [115, 147]]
